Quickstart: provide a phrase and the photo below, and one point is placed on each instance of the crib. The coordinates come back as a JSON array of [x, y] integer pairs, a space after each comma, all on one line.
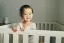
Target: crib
[[45, 29]]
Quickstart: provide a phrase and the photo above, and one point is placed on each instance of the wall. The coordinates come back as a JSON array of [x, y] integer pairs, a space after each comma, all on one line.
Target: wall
[[61, 12], [44, 10]]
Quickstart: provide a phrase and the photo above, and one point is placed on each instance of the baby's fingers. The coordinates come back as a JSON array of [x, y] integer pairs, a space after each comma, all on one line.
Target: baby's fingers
[[14, 28]]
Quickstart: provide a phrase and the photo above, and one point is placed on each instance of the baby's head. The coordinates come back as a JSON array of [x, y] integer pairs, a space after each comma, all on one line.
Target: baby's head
[[26, 12]]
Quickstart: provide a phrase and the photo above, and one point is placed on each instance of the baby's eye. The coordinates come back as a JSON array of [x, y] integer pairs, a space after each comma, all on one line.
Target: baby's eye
[[24, 14], [30, 14]]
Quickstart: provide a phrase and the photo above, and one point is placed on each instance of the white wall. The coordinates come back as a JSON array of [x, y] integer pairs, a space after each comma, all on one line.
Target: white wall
[[44, 10]]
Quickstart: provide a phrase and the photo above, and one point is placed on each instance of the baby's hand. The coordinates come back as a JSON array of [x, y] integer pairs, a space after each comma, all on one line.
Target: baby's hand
[[22, 29], [14, 28]]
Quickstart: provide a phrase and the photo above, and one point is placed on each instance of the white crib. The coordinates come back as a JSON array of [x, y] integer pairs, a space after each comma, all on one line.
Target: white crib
[[36, 33]]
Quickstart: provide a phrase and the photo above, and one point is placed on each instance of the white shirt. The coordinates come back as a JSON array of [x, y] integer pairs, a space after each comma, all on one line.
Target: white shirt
[[31, 27]]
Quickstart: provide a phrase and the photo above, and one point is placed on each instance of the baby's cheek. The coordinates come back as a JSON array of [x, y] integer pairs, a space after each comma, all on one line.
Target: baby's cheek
[[31, 18]]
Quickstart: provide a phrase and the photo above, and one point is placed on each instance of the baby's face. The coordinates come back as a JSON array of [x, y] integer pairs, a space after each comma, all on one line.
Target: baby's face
[[27, 14]]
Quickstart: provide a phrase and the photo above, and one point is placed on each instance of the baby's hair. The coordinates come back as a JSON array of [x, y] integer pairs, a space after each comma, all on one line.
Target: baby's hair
[[22, 9]]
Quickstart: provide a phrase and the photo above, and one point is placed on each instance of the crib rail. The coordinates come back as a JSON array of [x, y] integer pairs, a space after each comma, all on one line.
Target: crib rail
[[46, 25], [35, 33]]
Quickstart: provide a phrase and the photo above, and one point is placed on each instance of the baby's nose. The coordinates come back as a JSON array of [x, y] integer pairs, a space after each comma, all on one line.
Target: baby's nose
[[28, 15]]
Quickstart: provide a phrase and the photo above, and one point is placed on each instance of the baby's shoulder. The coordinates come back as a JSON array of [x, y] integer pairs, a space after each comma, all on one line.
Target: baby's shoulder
[[33, 25]]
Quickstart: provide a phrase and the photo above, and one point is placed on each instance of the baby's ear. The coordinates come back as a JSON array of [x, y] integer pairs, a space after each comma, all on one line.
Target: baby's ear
[[32, 15]]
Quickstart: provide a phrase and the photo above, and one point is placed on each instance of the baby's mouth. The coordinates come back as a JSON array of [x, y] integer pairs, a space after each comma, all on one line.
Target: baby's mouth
[[28, 18]]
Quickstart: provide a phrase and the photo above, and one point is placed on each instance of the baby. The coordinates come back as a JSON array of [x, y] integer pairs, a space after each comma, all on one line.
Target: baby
[[26, 13]]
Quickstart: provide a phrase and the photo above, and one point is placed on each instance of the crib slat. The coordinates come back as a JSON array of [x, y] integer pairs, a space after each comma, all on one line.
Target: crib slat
[[37, 25], [1, 37], [25, 37], [47, 39], [6, 38], [45, 26], [15, 38], [58, 39], [53, 26], [36, 39], [49, 26], [41, 26]]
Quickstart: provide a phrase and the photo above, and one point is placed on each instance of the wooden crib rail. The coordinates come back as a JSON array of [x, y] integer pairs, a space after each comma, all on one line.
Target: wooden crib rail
[[36, 33], [46, 25]]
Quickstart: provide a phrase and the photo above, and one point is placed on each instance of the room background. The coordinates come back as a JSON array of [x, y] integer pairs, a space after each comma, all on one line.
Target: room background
[[44, 10]]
